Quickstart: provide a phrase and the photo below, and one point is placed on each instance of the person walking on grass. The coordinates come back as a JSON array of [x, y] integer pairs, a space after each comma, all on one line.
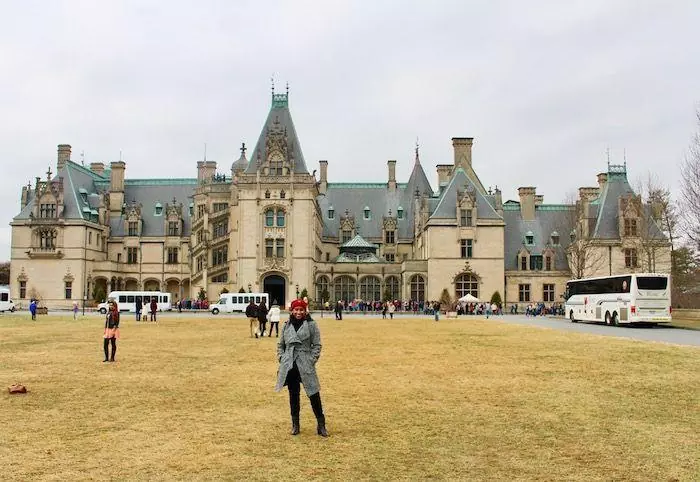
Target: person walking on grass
[[139, 307], [298, 351], [32, 309], [436, 310], [274, 316], [111, 333], [75, 310], [262, 317], [251, 311], [154, 307], [391, 308]]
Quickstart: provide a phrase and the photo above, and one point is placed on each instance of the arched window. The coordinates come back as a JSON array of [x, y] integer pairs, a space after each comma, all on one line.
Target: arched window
[[269, 218], [467, 284], [344, 288], [391, 288], [322, 289], [417, 283], [370, 289], [280, 218]]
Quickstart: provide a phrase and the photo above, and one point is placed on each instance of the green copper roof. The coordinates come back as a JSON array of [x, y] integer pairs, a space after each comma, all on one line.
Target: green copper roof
[[153, 182]]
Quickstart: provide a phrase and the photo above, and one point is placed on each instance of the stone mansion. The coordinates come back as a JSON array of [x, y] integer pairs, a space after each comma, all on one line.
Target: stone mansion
[[266, 223]]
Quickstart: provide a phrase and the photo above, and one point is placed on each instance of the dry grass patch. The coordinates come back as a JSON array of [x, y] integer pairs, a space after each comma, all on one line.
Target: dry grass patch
[[689, 323], [408, 398]]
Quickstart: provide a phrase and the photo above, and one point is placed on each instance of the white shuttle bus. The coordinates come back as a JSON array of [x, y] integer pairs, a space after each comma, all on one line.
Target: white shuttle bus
[[230, 302], [6, 303], [126, 301], [630, 298]]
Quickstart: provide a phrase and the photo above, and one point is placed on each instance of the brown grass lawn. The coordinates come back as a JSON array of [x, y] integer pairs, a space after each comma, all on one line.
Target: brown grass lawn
[[405, 399], [689, 323]]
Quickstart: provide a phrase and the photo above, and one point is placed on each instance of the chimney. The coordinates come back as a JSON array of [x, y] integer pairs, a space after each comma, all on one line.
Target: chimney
[[63, 156], [462, 147], [498, 198], [391, 164], [444, 171], [602, 179], [527, 203], [323, 183], [97, 167], [205, 171], [25, 196], [116, 186], [539, 199]]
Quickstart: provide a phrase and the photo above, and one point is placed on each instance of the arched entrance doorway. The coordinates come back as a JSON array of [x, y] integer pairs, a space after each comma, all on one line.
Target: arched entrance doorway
[[274, 286]]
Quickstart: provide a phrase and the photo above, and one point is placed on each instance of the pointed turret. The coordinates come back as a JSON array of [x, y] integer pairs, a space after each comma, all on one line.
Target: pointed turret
[[278, 148]]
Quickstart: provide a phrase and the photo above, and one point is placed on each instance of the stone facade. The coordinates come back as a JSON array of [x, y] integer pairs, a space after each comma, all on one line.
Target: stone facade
[[267, 224]]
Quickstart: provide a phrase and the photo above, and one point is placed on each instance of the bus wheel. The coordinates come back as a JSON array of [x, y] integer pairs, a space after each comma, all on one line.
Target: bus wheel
[[215, 311], [613, 320], [571, 317], [607, 318], [103, 311]]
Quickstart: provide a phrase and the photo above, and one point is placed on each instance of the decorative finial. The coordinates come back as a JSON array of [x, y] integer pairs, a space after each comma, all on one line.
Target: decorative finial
[[607, 153], [287, 88], [48, 173], [243, 149], [624, 158], [272, 82], [417, 153], [82, 158]]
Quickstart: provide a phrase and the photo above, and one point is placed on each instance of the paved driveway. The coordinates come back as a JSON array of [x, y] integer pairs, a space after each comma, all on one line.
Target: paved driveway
[[662, 334]]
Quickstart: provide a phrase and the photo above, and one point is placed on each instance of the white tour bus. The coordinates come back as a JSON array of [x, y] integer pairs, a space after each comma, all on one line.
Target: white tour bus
[[126, 301], [6, 303], [230, 302], [630, 298]]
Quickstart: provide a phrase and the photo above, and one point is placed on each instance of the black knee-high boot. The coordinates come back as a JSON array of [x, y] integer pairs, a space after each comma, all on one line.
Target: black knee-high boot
[[114, 348], [294, 408], [106, 348], [318, 411]]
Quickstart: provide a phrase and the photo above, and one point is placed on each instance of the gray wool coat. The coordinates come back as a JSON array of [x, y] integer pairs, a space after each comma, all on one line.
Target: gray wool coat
[[304, 348]]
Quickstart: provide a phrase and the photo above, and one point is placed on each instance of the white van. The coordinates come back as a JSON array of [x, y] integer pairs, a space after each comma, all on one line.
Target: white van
[[126, 301], [230, 302], [6, 303]]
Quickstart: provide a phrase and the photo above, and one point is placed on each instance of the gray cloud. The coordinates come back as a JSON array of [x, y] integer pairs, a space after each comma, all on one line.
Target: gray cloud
[[544, 87]]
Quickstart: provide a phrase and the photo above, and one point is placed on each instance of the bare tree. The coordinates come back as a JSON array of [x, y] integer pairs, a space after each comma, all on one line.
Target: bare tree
[[690, 189], [657, 221], [575, 225], [5, 273]]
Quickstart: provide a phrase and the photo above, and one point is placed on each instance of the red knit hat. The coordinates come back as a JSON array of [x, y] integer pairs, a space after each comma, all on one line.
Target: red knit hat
[[298, 304]]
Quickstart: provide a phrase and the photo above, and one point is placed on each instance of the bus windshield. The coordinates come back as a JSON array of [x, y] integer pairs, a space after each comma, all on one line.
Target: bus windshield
[[652, 283]]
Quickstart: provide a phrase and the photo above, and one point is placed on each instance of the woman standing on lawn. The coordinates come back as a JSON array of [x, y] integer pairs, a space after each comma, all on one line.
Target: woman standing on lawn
[[262, 317], [298, 351], [111, 331]]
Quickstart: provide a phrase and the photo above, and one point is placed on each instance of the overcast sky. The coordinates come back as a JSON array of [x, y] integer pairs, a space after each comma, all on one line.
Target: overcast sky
[[544, 87]]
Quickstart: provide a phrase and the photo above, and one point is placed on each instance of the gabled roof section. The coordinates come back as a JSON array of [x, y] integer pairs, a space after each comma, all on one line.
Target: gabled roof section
[[358, 242], [447, 207], [278, 118], [617, 185]]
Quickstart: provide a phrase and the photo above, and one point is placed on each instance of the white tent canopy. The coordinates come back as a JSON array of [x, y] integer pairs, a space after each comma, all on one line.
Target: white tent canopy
[[469, 299]]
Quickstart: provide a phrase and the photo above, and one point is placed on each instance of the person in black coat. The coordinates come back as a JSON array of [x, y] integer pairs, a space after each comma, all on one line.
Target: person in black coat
[[339, 310], [251, 311], [262, 317]]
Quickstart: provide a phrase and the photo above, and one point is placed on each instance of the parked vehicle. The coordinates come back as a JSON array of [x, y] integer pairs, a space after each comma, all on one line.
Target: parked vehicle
[[230, 302], [6, 303], [126, 301]]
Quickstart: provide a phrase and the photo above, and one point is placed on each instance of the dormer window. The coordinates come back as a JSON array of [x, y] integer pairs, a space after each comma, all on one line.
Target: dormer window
[[555, 238], [399, 213], [367, 213], [630, 227], [331, 213], [83, 194], [159, 209], [133, 228], [47, 210], [529, 238]]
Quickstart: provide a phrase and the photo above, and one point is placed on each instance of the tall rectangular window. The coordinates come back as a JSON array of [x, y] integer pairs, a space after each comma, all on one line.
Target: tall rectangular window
[[201, 209], [173, 228], [219, 256], [89, 237], [548, 263], [466, 248], [22, 289], [390, 237], [630, 227], [548, 292], [69, 290], [524, 292], [133, 228], [536, 262], [172, 255], [269, 248], [346, 235], [279, 246], [630, 258], [132, 255], [220, 229], [523, 263]]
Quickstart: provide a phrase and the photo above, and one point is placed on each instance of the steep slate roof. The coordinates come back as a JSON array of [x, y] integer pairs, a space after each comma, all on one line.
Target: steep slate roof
[[278, 117], [447, 207], [548, 218], [605, 208], [358, 242]]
